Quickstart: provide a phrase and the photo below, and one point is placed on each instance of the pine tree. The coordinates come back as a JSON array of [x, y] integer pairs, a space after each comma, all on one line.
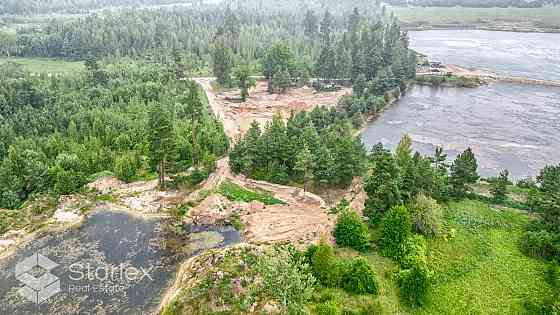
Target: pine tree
[[343, 62], [304, 164], [310, 25], [244, 81], [222, 62], [162, 145], [382, 186], [359, 86], [498, 186], [463, 172], [404, 152]]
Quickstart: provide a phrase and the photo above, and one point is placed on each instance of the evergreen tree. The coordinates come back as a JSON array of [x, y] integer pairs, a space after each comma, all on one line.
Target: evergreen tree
[[463, 173], [382, 186], [359, 86], [404, 152], [343, 62], [278, 57], [244, 81], [222, 62], [162, 145], [304, 165], [498, 186], [310, 25]]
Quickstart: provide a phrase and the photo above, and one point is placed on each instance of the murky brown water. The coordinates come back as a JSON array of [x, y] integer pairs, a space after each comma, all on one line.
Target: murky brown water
[[509, 126]]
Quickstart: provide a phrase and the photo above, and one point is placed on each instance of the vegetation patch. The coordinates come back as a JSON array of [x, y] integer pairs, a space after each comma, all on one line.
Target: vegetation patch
[[234, 192]]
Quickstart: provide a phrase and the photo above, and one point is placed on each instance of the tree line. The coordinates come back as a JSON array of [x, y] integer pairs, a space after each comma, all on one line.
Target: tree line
[[475, 3]]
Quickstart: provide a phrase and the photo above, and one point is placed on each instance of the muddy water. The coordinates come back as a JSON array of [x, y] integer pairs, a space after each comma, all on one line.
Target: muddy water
[[114, 264], [509, 126]]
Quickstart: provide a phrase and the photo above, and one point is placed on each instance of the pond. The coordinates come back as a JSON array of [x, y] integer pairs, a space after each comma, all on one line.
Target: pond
[[115, 263]]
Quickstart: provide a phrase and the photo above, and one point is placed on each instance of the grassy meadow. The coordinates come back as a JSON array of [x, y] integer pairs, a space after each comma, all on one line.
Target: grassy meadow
[[477, 264], [546, 18], [46, 66]]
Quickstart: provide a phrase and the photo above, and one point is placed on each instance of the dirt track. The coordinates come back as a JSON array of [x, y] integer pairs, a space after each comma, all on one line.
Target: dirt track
[[304, 219]]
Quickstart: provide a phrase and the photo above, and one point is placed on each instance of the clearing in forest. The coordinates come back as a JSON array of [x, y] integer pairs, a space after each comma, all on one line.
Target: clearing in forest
[[261, 106]]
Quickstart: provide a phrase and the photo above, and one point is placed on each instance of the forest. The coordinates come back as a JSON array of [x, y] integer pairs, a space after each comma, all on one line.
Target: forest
[[59, 132]]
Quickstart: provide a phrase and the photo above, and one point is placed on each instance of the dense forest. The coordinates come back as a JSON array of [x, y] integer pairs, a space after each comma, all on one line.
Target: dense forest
[[475, 3], [59, 131], [129, 32]]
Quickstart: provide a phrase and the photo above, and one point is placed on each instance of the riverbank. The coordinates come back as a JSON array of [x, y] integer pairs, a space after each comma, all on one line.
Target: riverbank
[[530, 20], [457, 76]]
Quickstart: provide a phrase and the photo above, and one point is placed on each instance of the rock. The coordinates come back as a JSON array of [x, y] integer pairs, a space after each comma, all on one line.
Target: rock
[[105, 184], [269, 308]]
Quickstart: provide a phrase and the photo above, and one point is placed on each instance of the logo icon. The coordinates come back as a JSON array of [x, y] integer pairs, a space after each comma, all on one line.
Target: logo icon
[[34, 273]]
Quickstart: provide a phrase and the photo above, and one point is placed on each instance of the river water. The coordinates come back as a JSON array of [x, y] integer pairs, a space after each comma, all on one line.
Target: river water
[[509, 126], [115, 263]]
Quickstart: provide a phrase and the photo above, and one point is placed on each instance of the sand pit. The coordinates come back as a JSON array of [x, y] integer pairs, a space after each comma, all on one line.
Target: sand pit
[[261, 105]]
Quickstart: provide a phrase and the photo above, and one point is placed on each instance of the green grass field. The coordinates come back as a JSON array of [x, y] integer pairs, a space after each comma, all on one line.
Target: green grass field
[[235, 192], [542, 18], [43, 65], [478, 267]]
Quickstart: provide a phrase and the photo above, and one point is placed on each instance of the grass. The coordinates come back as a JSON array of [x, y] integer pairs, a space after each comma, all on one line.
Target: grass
[[234, 192], [507, 18], [45, 65], [478, 270], [448, 80]]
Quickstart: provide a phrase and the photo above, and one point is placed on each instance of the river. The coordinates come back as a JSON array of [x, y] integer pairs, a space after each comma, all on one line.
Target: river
[[115, 263], [509, 126]]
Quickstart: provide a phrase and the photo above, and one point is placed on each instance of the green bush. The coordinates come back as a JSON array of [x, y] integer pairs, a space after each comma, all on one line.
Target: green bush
[[360, 278], [413, 284], [427, 215], [126, 166], [538, 244], [351, 231], [414, 251], [396, 229], [286, 279], [325, 266], [328, 308]]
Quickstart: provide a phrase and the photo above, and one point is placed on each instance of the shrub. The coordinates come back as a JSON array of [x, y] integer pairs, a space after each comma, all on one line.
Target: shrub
[[538, 244], [286, 279], [360, 278], [498, 186], [372, 308], [351, 231], [325, 266], [126, 166], [413, 284], [426, 214], [328, 308], [414, 251], [396, 229]]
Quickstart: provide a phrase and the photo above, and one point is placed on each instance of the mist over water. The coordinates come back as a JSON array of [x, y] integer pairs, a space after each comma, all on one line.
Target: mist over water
[[509, 126]]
